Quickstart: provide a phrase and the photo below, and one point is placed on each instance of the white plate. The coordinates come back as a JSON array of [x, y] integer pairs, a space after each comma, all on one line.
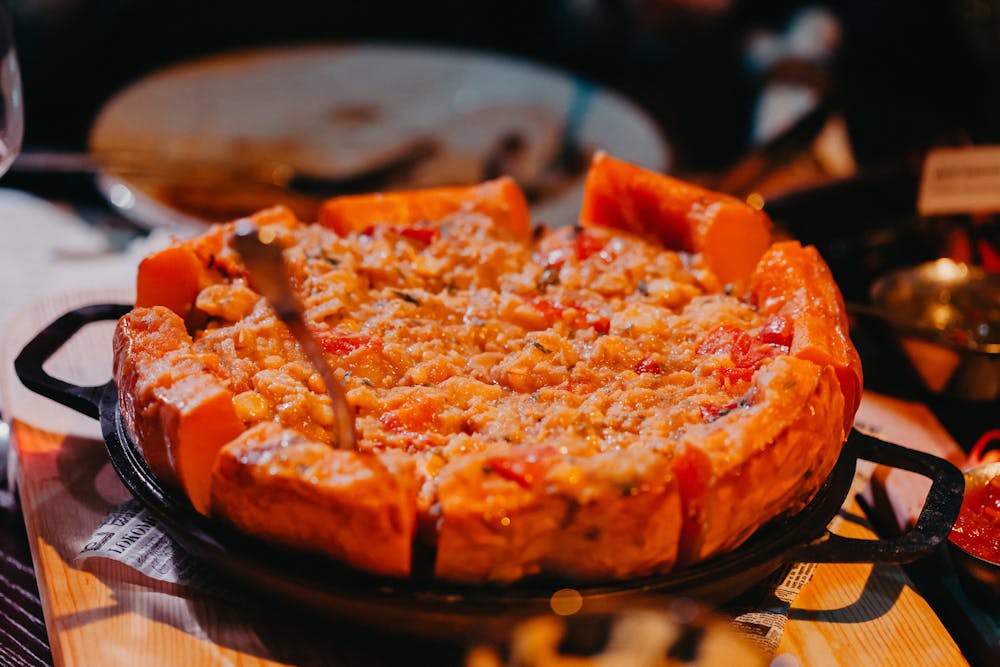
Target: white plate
[[337, 109]]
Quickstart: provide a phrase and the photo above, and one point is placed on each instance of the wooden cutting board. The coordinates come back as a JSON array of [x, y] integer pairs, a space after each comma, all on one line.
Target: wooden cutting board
[[847, 615]]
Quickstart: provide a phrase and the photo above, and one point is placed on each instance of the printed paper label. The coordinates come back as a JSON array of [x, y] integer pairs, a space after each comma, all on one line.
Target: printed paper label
[[960, 180]]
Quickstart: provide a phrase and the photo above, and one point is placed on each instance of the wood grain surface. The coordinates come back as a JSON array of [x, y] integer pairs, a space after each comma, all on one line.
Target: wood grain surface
[[861, 614]]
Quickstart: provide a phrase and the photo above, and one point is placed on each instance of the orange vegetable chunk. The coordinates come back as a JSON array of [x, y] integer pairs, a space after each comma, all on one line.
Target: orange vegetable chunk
[[198, 418], [178, 411], [500, 199], [731, 235], [541, 513], [171, 277], [359, 507], [793, 281]]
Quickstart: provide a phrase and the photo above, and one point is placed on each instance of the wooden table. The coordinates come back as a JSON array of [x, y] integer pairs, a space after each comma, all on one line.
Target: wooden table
[[108, 615], [858, 614]]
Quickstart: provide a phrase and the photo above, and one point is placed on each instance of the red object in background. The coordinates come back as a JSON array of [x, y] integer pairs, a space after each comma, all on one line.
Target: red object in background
[[977, 529], [958, 247], [989, 255], [974, 244], [978, 453]]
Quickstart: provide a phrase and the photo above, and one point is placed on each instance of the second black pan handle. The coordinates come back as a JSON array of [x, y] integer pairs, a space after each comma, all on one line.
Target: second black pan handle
[[944, 500], [29, 362]]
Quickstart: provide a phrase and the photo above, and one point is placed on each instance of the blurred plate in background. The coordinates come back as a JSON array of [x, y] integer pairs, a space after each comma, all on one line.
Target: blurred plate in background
[[343, 112]]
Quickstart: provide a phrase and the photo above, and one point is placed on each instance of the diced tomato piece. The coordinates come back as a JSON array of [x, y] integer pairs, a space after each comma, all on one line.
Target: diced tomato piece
[[648, 365], [581, 319], [711, 412], [424, 235], [720, 339], [342, 345], [585, 319], [746, 353], [737, 374], [586, 244], [602, 325], [414, 416], [754, 356], [524, 466], [549, 310], [777, 331]]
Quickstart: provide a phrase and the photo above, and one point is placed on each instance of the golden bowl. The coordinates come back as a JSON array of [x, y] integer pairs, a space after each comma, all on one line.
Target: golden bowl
[[978, 574], [945, 315]]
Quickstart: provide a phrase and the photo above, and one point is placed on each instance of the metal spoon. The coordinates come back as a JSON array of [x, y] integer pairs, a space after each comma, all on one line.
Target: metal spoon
[[263, 257]]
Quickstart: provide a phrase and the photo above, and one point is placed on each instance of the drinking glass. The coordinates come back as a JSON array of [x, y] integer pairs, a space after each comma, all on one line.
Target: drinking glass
[[11, 133], [11, 106]]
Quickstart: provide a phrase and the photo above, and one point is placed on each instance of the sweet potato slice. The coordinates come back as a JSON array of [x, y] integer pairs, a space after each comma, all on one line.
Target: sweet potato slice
[[500, 199], [793, 281], [359, 508], [729, 234], [177, 411]]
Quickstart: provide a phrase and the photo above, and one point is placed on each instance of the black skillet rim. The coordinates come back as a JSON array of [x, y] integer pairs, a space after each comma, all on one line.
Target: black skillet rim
[[330, 585]]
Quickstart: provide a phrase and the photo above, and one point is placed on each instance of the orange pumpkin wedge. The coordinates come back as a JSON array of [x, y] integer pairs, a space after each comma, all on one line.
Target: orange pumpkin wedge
[[179, 411], [730, 235], [500, 199], [359, 507], [172, 278], [794, 282]]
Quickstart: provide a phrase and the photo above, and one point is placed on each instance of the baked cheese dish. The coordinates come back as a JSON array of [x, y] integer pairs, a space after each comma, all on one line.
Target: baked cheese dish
[[607, 401]]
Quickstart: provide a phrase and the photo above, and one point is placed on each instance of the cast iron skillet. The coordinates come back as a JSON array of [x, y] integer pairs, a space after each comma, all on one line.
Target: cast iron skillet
[[433, 609]]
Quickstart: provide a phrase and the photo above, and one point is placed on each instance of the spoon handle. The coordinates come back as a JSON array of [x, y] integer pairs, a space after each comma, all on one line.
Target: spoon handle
[[263, 257]]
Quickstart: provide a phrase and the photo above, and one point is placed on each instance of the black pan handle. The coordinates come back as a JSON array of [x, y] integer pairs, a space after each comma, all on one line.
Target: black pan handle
[[29, 362], [937, 516]]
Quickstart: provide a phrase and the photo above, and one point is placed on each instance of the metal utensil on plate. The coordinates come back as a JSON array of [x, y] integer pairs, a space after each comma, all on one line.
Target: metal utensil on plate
[[381, 173], [263, 257], [945, 316]]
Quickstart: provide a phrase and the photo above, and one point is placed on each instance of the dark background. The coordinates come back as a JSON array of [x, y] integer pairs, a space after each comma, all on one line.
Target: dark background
[[906, 75]]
